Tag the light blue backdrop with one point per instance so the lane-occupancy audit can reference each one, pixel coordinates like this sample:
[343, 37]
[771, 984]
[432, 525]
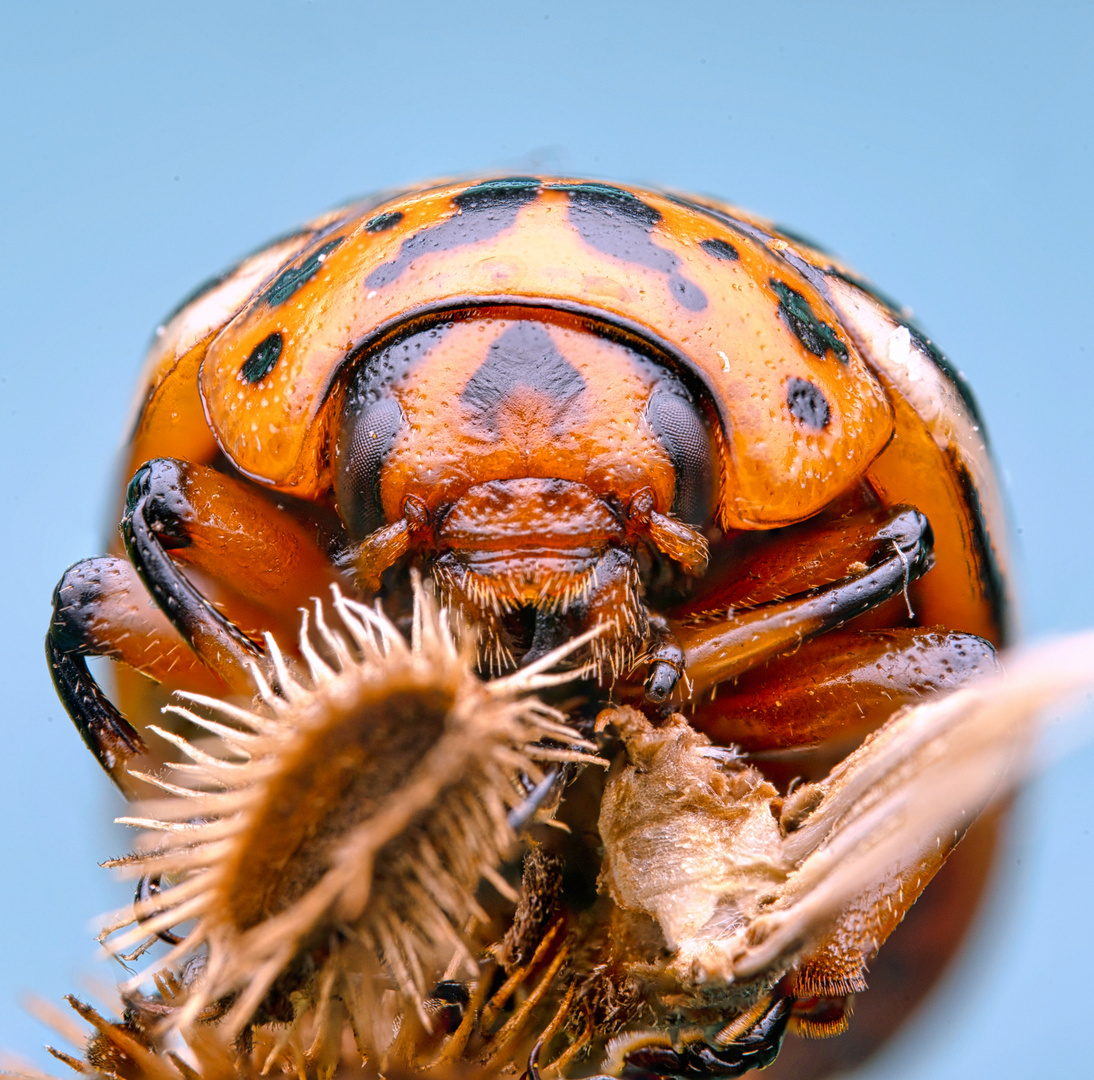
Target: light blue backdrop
[945, 149]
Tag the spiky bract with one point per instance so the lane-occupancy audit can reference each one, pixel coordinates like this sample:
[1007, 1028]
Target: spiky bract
[328, 843]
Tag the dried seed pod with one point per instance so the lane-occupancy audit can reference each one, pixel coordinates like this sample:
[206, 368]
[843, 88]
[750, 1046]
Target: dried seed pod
[329, 842]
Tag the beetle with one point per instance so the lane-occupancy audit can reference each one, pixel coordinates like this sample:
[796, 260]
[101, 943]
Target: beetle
[572, 404]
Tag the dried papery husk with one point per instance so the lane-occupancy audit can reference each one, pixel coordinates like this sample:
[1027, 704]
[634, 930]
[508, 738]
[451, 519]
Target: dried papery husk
[743, 883]
[909, 792]
[328, 843]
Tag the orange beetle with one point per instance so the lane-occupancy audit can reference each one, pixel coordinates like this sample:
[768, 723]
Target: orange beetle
[572, 404]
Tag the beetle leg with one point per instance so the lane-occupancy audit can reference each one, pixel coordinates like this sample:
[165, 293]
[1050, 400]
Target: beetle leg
[826, 978]
[224, 528]
[258, 561]
[804, 711]
[150, 526]
[652, 1056]
[720, 646]
[100, 608]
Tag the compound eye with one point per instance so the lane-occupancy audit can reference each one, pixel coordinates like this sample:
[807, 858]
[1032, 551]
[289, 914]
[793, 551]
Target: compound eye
[369, 429]
[680, 429]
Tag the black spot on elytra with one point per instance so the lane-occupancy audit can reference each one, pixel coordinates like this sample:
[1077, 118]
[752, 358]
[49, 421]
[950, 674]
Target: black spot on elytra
[807, 403]
[383, 222]
[618, 223]
[484, 211]
[296, 277]
[817, 336]
[720, 249]
[262, 359]
[210, 284]
[524, 356]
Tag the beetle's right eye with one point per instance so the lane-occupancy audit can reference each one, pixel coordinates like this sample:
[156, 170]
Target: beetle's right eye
[369, 429]
[679, 427]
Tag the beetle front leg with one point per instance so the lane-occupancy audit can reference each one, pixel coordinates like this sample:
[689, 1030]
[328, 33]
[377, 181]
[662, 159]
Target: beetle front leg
[720, 646]
[100, 608]
[179, 512]
[155, 521]
[260, 563]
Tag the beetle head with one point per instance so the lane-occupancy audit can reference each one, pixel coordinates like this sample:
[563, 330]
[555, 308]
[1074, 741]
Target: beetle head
[535, 462]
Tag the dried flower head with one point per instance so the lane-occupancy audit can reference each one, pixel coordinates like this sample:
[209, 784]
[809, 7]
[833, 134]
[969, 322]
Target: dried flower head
[328, 843]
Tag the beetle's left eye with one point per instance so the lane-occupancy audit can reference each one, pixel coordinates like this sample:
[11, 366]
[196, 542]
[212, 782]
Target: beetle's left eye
[369, 429]
[680, 429]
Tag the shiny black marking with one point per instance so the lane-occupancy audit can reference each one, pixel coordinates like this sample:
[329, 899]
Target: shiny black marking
[210, 284]
[720, 249]
[945, 365]
[492, 194]
[919, 339]
[756, 1048]
[262, 359]
[484, 211]
[447, 1004]
[898, 311]
[753, 232]
[455, 993]
[383, 222]
[680, 429]
[807, 403]
[816, 277]
[296, 277]
[618, 224]
[817, 336]
[157, 519]
[523, 356]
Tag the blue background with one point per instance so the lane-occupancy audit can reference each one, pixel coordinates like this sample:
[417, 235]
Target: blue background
[945, 149]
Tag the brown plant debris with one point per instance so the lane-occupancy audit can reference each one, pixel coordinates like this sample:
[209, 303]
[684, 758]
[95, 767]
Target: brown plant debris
[328, 844]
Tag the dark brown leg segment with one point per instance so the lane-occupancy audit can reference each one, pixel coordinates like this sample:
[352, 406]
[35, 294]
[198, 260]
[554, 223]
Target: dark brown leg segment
[658, 1057]
[100, 608]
